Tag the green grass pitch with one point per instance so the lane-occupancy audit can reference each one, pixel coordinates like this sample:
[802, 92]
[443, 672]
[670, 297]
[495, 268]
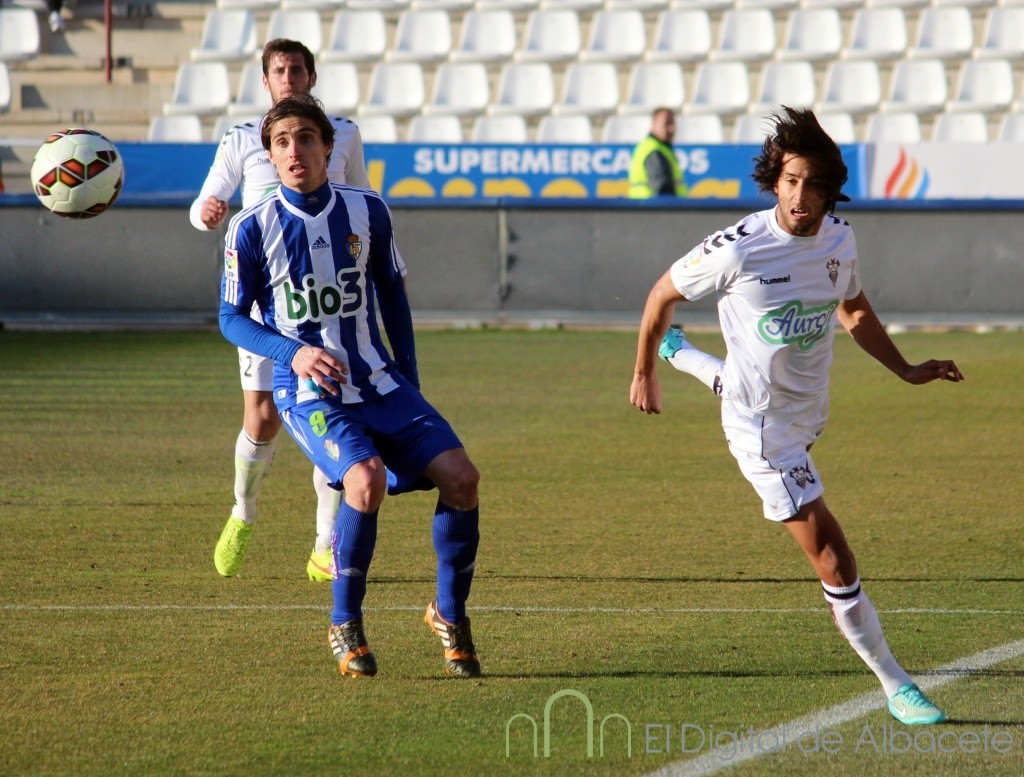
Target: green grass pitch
[623, 557]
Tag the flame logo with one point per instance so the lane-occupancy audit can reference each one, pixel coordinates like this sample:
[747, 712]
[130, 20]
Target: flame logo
[907, 181]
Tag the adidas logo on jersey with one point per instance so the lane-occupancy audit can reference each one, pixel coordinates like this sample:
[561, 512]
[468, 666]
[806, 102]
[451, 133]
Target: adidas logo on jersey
[320, 244]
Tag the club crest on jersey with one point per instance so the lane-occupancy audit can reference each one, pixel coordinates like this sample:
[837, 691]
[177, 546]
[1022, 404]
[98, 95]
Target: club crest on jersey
[355, 246]
[332, 449]
[318, 423]
[802, 476]
[833, 270]
[231, 264]
[792, 324]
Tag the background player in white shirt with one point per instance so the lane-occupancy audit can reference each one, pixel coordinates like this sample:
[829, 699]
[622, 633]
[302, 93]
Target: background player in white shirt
[782, 278]
[288, 69]
[319, 261]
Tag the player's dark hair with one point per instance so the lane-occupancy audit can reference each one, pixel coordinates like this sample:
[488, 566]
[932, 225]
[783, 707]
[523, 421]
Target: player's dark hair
[798, 132]
[285, 46]
[302, 106]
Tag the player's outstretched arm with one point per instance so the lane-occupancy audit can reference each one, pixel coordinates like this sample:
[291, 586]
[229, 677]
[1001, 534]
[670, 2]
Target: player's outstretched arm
[860, 320]
[645, 392]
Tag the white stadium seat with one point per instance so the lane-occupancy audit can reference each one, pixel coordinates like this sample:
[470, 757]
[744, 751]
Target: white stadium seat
[434, 129]
[590, 88]
[201, 88]
[839, 125]
[459, 6]
[525, 88]
[357, 36]
[983, 85]
[378, 129]
[384, 6]
[967, 127]
[507, 128]
[585, 6]
[550, 36]
[943, 33]
[746, 35]
[520, 6]
[182, 128]
[227, 35]
[395, 89]
[486, 36]
[681, 35]
[631, 128]
[1011, 128]
[1003, 34]
[878, 34]
[720, 87]
[903, 127]
[918, 85]
[19, 34]
[565, 129]
[852, 87]
[251, 97]
[615, 36]
[302, 25]
[812, 34]
[775, 6]
[652, 85]
[784, 83]
[700, 128]
[646, 6]
[337, 87]
[751, 128]
[421, 36]
[311, 5]
[459, 88]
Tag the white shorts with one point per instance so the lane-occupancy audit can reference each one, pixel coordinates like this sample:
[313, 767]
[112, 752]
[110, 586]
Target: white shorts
[773, 453]
[257, 371]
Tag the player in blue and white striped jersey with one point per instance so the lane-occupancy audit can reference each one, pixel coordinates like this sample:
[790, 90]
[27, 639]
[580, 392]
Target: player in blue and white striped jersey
[319, 260]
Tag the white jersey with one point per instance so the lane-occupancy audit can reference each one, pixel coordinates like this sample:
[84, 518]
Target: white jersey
[777, 299]
[242, 161]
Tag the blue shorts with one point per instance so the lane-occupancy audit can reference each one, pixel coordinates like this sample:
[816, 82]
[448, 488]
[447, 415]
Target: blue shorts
[401, 427]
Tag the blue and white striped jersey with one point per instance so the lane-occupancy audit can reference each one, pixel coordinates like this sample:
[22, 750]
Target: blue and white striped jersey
[318, 280]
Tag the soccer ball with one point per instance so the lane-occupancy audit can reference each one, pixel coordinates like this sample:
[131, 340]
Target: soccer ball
[77, 173]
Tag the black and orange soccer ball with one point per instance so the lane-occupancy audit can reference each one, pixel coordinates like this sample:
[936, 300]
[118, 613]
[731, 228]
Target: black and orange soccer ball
[77, 173]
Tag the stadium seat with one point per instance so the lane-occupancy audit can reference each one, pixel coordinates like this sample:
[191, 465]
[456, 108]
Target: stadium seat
[812, 34]
[227, 35]
[654, 84]
[378, 129]
[751, 128]
[967, 127]
[201, 88]
[918, 85]
[384, 6]
[421, 36]
[550, 36]
[775, 6]
[720, 87]
[681, 35]
[902, 127]
[19, 34]
[565, 129]
[395, 89]
[356, 36]
[459, 6]
[784, 83]
[589, 88]
[227, 121]
[629, 129]
[309, 5]
[1003, 34]
[839, 5]
[508, 128]
[516, 6]
[700, 128]
[911, 4]
[586, 6]
[972, 3]
[525, 88]
[615, 36]
[337, 87]
[1011, 128]
[459, 89]
[745, 35]
[983, 85]
[943, 33]
[840, 126]
[852, 87]
[486, 36]
[434, 129]
[878, 34]
[251, 97]
[5, 88]
[181, 128]
[646, 6]
[302, 25]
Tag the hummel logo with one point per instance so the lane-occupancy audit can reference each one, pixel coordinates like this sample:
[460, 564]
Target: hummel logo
[320, 243]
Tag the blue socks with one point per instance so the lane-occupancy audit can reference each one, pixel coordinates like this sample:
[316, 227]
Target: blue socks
[456, 537]
[355, 535]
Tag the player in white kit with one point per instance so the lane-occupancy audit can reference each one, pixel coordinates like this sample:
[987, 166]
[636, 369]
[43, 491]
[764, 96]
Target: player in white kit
[288, 69]
[782, 278]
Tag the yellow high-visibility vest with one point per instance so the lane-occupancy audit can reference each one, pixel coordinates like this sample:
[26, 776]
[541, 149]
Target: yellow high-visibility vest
[639, 186]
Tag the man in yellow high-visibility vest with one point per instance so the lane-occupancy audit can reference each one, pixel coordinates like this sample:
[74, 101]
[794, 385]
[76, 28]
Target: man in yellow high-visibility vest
[654, 170]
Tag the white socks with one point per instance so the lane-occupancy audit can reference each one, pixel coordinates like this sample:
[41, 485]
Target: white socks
[328, 500]
[252, 462]
[703, 366]
[857, 619]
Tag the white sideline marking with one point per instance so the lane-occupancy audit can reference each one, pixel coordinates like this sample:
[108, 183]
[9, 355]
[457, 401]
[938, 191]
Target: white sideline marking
[489, 608]
[711, 762]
